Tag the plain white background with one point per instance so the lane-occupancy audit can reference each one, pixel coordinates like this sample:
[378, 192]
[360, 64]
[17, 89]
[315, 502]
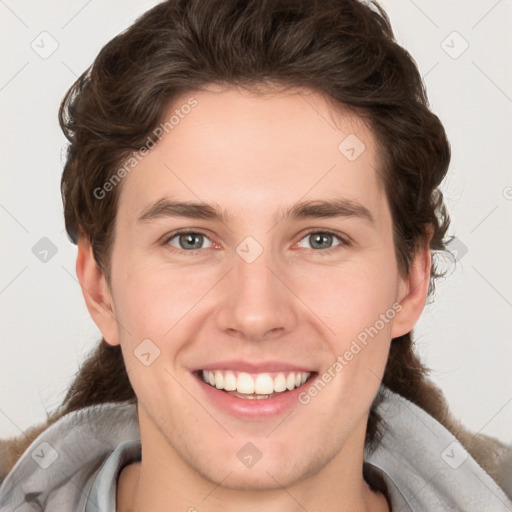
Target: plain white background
[463, 50]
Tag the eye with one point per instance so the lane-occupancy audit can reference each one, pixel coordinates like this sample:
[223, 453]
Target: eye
[191, 241]
[187, 240]
[323, 240]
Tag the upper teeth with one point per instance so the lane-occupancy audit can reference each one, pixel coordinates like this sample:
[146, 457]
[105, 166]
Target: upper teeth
[261, 383]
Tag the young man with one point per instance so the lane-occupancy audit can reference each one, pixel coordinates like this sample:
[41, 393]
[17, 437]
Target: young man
[300, 264]
[259, 265]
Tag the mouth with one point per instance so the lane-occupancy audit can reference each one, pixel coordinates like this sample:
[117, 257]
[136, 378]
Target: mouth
[254, 386]
[253, 395]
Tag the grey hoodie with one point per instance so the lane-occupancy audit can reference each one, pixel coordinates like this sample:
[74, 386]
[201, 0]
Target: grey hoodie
[73, 466]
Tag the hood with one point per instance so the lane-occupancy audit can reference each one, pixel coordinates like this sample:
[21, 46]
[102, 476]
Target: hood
[422, 464]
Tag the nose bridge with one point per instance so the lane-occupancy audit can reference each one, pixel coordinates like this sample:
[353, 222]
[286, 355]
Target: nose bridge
[258, 301]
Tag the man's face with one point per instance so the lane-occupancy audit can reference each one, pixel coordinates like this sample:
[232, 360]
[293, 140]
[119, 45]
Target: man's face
[257, 293]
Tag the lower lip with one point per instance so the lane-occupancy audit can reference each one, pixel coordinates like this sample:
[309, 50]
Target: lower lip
[247, 408]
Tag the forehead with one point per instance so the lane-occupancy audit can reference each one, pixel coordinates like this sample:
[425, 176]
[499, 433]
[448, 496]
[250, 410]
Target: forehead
[253, 152]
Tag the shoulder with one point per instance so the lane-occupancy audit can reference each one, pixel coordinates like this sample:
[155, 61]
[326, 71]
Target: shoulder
[427, 463]
[92, 418]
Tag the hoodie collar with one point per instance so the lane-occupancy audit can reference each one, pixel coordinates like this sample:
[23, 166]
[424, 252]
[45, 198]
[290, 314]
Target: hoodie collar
[75, 463]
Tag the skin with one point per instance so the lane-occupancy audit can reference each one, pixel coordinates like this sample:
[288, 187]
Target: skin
[291, 304]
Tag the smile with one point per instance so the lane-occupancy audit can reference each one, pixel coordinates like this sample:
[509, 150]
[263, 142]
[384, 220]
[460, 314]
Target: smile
[253, 390]
[254, 386]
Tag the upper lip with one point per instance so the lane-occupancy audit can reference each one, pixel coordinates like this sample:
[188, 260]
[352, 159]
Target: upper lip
[254, 367]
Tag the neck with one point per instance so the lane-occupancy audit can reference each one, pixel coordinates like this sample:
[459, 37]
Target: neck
[137, 492]
[163, 477]
[142, 487]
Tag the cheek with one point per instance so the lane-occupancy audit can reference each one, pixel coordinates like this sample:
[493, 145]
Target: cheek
[152, 299]
[357, 305]
[351, 297]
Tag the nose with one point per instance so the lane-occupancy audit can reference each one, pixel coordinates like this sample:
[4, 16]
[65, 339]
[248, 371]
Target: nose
[258, 303]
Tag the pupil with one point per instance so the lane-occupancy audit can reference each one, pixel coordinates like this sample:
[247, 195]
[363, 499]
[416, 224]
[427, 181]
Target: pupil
[319, 237]
[189, 238]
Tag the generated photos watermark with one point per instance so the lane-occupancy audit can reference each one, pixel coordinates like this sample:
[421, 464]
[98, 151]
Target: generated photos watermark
[138, 156]
[355, 348]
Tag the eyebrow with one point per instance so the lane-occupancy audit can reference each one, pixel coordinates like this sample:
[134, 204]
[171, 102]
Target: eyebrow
[321, 209]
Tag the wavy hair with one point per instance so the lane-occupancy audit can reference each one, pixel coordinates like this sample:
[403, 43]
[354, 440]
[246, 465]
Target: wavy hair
[343, 49]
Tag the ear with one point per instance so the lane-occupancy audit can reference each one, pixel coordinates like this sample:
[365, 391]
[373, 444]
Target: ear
[96, 292]
[413, 291]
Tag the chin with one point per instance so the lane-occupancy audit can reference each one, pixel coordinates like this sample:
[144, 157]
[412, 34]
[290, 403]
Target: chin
[266, 474]
[253, 479]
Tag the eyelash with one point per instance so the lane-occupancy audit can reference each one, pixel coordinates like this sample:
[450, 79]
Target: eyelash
[344, 242]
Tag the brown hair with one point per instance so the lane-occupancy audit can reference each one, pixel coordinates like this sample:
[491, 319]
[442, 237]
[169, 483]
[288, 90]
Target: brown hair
[344, 49]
